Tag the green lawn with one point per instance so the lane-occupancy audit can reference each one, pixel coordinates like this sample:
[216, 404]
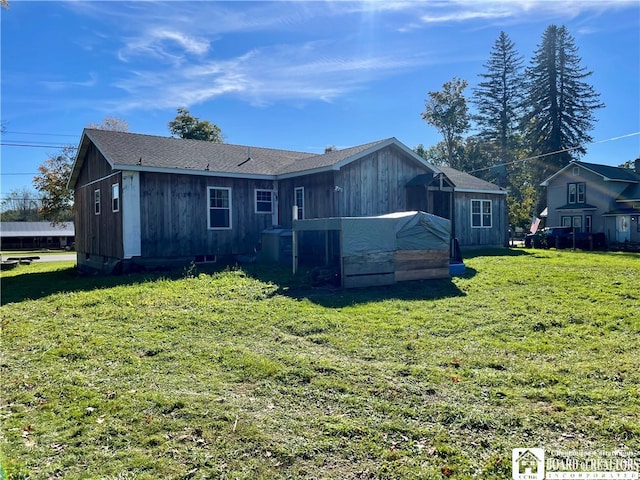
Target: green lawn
[249, 374]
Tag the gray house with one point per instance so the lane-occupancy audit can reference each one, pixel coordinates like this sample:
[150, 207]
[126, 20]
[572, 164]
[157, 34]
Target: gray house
[149, 199]
[596, 198]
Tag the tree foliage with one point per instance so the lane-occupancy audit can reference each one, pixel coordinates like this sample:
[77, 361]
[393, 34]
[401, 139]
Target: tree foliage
[21, 205]
[499, 96]
[186, 125]
[51, 182]
[113, 124]
[560, 103]
[447, 111]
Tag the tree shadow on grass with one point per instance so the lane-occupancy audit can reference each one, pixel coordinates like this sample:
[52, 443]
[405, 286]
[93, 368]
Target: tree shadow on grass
[29, 285]
[497, 252]
[332, 296]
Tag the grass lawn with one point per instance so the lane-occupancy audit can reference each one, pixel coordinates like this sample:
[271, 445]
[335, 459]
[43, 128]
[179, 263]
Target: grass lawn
[249, 374]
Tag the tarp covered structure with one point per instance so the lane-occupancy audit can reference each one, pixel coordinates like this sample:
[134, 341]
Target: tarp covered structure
[394, 231]
[384, 249]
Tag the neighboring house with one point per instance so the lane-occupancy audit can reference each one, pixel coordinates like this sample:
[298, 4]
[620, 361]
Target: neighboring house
[596, 198]
[30, 235]
[145, 198]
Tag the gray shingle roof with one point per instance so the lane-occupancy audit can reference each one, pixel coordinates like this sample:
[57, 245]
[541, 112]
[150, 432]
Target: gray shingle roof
[37, 229]
[613, 173]
[631, 193]
[465, 181]
[328, 159]
[133, 149]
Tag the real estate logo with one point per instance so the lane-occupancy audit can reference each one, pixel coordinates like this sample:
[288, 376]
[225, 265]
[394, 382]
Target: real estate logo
[528, 463]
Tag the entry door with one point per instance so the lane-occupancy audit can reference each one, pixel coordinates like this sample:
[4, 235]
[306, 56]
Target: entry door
[622, 228]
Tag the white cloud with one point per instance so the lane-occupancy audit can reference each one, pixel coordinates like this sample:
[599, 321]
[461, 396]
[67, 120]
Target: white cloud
[164, 44]
[58, 85]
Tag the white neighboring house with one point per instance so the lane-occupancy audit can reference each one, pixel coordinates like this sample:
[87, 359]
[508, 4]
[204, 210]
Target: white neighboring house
[596, 198]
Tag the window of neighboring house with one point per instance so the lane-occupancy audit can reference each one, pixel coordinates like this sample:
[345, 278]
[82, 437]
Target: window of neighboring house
[96, 201]
[588, 222]
[219, 217]
[264, 201]
[299, 201]
[481, 213]
[115, 197]
[572, 221]
[576, 192]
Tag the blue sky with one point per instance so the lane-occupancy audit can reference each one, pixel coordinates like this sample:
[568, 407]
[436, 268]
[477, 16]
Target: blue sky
[292, 75]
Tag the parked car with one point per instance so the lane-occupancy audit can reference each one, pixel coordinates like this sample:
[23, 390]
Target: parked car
[563, 237]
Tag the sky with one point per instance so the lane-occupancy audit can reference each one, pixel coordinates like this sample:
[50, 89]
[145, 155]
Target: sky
[296, 75]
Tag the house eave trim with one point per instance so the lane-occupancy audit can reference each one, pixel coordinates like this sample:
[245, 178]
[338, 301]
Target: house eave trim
[199, 173]
[473, 190]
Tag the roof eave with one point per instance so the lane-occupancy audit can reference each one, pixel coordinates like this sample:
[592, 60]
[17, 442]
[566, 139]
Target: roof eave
[479, 190]
[187, 171]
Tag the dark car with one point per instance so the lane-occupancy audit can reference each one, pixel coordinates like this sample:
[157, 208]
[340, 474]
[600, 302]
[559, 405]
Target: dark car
[563, 237]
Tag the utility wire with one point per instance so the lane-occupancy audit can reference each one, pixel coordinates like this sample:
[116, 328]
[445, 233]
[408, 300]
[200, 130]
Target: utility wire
[43, 134]
[553, 153]
[33, 145]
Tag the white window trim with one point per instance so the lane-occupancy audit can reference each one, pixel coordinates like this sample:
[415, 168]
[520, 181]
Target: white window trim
[97, 202]
[115, 195]
[295, 201]
[209, 227]
[482, 202]
[255, 201]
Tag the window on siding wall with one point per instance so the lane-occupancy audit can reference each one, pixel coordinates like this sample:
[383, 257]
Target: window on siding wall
[219, 208]
[115, 197]
[574, 221]
[264, 201]
[576, 192]
[96, 201]
[481, 214]
[299, 201]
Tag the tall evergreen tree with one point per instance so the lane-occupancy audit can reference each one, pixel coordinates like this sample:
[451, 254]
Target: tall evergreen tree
[498, 97]
[560, 103]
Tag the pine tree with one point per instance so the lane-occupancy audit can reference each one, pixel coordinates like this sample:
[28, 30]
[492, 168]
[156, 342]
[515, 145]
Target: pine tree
[560, 104]
[498, 97]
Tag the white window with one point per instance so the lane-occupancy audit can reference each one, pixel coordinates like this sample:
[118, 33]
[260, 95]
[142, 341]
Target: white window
[96, 201]
[481, 214]
[299, 201]
[115, 197]
[264, 201]
[576, 192]
[219, 209]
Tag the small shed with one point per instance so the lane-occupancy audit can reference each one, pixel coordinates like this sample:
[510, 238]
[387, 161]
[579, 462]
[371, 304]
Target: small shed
[378, 250]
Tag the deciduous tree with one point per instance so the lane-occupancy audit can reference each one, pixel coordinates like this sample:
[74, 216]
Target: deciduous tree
[186, 125]
[21, 205]
[113, 124]
[51, 182]
[447, 111]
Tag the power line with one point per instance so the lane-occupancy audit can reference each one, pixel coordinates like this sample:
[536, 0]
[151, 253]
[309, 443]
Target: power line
[553, 153]
[33, 145]
[43, 134]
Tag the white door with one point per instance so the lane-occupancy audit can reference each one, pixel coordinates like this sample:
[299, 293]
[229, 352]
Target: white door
[622, 228]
